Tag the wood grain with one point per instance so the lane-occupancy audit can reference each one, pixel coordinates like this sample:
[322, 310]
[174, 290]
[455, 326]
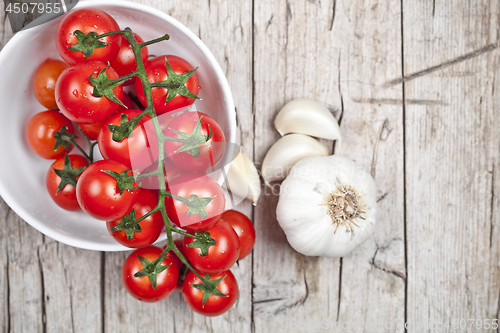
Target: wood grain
[337, 53]
[412, 84]
[452, 161]
[71, 288]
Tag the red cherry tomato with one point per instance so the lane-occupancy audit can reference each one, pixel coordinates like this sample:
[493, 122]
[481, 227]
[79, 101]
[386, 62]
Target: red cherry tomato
[87, 20]
[124, 63]
[44, 81]
[215, 305]
[166, 118]
[151, 227]
[140, 287]
[66, 197]
[138, 151]
[98, 193]
[221, 256]
[156, 70]
[211, 151]
[40, 133]
[92, 130]
[244, 228]
[189, 185]
[74, 93]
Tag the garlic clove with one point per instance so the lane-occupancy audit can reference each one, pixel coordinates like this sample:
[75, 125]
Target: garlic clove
[286, 152]
[243, 178]
[306, 116]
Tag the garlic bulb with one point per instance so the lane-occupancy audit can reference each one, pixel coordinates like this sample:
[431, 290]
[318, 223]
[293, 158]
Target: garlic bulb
[286, 152]
[243, 178]
[327, 206]
[306, 116]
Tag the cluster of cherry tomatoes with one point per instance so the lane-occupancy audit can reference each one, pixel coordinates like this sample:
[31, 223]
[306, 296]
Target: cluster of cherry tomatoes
[85, 99]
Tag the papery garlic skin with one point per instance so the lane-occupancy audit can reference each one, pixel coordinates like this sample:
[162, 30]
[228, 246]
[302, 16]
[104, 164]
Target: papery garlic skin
[243, 178]
[302, 210]
[307, 116]
[286, 152]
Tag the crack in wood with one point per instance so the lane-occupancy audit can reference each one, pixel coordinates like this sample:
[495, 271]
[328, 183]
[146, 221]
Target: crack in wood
[268, 300]
[341, 115]
[42, 291]
[71, 307]
[382, 197]
[498, 310]
[341, 261]
[388, 271]
[452, 62]
[307, 288]
[269, 22]
[333, 14]
[340, 92]
[102, 291]
[7, 280]
[395, 101]
[252, 104]
[384, 129]
[405, 221]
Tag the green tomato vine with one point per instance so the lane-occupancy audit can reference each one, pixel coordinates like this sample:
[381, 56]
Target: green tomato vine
[103, 87]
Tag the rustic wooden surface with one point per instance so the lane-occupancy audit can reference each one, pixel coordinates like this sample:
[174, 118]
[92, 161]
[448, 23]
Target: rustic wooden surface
[412, 84]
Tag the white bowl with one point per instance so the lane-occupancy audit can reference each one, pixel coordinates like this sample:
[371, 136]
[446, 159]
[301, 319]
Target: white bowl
[22, 173]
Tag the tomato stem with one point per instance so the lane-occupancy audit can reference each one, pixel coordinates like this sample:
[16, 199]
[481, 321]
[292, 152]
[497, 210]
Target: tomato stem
[181, 232]
[90, 156]
[141, 74]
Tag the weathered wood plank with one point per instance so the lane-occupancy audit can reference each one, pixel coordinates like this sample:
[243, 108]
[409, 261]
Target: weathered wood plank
[72, 288]
[4, 269]
[338, 53]
[452, 160]
[373, 277]
[6, 34]
[225, 27]
[25, 277]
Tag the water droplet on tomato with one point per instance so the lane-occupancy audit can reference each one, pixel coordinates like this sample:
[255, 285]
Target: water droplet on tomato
[75, 92]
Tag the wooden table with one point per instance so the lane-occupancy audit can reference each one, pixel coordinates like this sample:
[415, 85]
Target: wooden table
[413, 85]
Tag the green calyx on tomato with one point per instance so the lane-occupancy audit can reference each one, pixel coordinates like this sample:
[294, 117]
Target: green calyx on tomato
[125, 180]
[176, 83]
[64, 138]
[87, 43]
[126, 127]
[191, 142]
[196, 205]
[203, 241]
[68, 174]
[151, 269]
[103, 86]
[129, 224]
[209, 288]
